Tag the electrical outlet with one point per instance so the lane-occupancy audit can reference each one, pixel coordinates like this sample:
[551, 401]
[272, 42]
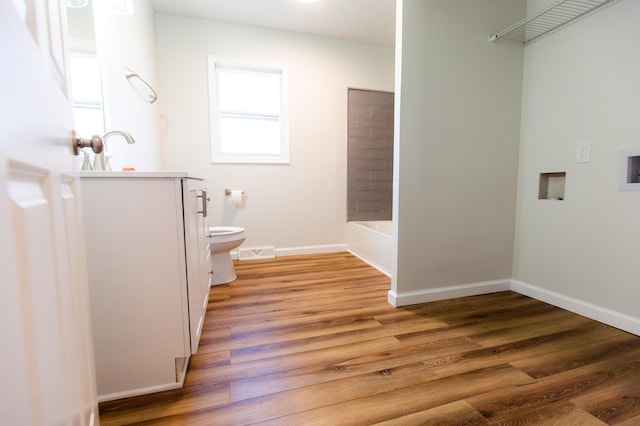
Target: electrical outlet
[583, 152]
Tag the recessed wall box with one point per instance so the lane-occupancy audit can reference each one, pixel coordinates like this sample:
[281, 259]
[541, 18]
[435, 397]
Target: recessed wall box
[551, 186]
[630, 170]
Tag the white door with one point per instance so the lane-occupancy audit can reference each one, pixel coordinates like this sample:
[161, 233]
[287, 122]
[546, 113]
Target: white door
[46, 361]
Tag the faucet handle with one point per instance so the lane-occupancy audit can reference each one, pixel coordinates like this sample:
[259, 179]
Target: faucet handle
[99, 162]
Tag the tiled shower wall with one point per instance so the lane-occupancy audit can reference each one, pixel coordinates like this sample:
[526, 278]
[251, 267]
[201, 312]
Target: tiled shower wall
[370, 155]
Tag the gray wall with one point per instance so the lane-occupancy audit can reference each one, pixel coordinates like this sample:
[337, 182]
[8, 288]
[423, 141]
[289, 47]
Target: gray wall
[456, 157]
[582, 84]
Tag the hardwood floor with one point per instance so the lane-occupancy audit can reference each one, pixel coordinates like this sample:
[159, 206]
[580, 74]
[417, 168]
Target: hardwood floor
[311, 339]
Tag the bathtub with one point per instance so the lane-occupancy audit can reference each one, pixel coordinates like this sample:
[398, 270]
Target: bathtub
[371, 242]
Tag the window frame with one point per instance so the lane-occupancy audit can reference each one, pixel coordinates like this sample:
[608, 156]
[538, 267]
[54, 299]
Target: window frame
[214, 63]
[79, 49]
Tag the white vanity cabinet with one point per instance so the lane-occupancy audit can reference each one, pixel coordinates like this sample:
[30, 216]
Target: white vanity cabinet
[148, 261]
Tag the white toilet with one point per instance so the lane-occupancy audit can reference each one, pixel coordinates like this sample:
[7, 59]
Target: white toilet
[223, 239]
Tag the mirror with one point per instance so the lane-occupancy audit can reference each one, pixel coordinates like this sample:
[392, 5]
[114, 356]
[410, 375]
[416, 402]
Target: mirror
[105, 38]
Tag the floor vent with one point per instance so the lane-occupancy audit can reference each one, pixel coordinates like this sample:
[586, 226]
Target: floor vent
[257, 253]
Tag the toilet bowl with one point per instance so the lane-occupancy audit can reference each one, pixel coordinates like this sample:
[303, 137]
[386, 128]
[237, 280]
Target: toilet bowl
[222, 240]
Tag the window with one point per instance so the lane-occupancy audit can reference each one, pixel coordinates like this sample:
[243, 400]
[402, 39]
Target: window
[87, 93]
[248, 112]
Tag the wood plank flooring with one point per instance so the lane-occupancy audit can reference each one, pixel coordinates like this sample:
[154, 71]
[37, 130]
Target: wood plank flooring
[311, 340]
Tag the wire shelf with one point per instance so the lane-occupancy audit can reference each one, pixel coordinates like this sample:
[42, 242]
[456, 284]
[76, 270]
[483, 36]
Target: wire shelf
[549, 19]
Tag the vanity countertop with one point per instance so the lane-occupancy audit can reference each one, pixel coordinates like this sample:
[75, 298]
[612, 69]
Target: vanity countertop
[138, 174]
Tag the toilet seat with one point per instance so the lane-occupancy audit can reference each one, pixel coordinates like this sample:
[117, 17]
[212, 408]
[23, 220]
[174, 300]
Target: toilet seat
[226, 234]
[224, 230]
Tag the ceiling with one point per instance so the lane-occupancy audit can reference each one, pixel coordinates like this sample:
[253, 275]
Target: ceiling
[364, 21]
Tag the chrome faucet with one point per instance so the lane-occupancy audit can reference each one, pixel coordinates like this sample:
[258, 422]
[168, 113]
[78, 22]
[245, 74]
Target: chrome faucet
[99, 162]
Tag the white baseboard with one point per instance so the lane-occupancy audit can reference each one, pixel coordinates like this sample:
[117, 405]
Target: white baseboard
[442, 293]
[598, 313]
[365, 259]
[601, 314]
[292, 251]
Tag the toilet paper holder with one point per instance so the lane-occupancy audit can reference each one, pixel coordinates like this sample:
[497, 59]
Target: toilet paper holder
[227, 191]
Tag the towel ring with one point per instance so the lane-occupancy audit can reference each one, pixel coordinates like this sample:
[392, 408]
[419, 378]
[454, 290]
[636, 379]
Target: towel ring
[150, 97]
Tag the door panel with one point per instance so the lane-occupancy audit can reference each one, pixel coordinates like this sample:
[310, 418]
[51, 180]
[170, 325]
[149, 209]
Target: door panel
[79, 368]
[39, 290]
[47, 359]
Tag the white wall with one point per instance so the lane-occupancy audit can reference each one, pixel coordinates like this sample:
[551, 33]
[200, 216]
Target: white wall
[128, 41]
[301, 204]
[582, 83]
[457, 132]
[458, 103]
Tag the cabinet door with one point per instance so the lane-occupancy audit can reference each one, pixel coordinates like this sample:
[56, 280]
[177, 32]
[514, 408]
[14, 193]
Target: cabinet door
[197, 246]
[137, 289]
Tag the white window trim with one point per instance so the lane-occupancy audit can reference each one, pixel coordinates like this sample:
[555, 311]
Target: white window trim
[86, 49]
[216, 155]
